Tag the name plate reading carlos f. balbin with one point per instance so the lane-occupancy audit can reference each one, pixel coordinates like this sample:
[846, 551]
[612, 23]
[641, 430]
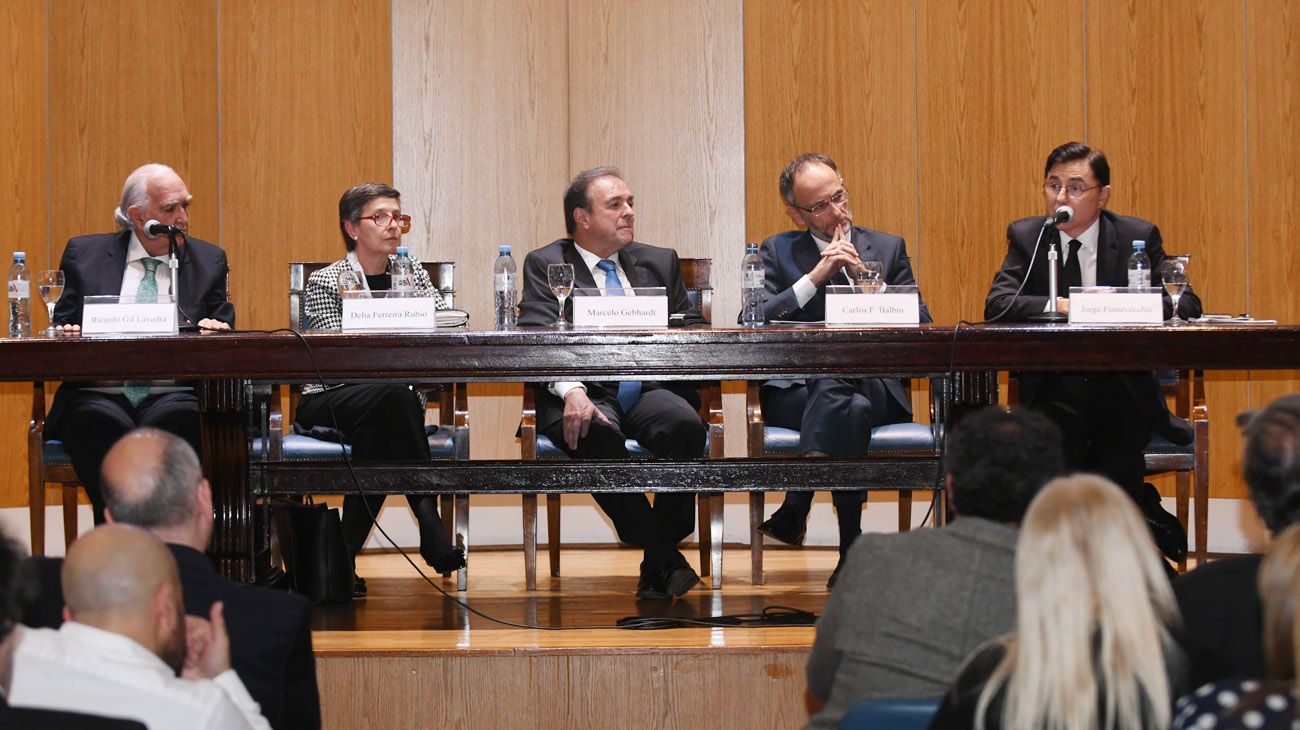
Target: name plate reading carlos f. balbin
[902, 308]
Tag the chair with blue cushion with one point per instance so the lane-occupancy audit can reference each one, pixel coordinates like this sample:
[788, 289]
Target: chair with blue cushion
[48, 463]
[922, 441]
[697, 278]
[894, 713]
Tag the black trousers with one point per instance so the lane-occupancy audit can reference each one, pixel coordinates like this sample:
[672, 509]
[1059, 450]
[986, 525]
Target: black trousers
[834, 416]
[94, 421]
[669, 427]
[383, 422]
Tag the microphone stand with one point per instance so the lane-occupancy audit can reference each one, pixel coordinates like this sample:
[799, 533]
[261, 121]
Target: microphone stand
[1053, 255]
[173, 263]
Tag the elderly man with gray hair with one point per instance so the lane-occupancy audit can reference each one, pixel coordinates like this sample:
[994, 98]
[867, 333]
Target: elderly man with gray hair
[90, 417]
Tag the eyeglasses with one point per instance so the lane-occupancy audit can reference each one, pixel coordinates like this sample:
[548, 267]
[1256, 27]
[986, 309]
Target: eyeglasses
[1074, 190]
[383, 220]
[838, 200]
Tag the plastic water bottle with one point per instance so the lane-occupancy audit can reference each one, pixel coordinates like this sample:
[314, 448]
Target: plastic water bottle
[20, 297]
[504, 276]
[1139, 267]
[751, 287]
[403, 274]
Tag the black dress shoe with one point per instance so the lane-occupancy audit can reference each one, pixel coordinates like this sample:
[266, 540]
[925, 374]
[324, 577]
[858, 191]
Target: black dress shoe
[835, 575]
[1165, 528]
[681, 579]
[652, 586]
[358, 586]
[449, 562]
[783, 527]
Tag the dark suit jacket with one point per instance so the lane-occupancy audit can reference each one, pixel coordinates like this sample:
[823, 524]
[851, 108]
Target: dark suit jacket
[93, 265]
[644, 265]
[26, 718]
[1223, 631]
[788, 257]
[1114, 247]
[270, 634]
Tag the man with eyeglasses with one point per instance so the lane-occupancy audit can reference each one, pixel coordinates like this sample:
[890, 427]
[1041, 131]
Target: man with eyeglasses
[90, 418]
[834, 416]
[1106, 418]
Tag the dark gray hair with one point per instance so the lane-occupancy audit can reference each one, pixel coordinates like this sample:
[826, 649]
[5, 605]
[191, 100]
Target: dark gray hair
[786, 181]
[575, 196]
[169, 488]
[135, 191]
[1271, 462]
[355, 199]
[999, 460]
[18, 584]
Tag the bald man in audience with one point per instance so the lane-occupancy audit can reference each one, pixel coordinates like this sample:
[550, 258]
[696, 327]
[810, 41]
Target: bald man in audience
[152, 479]
[125, 641]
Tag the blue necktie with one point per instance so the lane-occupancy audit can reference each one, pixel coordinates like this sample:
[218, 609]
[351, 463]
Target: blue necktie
[629, 391]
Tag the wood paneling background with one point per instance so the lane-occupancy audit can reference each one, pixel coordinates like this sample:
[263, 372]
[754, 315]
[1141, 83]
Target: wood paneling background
[940, 113]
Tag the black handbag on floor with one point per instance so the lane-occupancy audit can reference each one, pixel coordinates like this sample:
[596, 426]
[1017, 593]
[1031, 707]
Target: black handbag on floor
[315, 558]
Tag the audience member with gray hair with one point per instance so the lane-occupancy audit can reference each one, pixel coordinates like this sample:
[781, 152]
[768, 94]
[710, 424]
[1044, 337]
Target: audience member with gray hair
[152, 480]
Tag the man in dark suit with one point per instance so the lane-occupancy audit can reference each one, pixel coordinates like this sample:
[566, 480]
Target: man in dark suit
[1106, 419]
[89, 418]
[18, 587]
[834, 416]
[1223, 634]
[592, 420]
[152, 480]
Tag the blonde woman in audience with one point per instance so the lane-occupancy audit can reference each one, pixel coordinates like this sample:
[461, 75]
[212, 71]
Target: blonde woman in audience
[1094, 644]
[1249, 703]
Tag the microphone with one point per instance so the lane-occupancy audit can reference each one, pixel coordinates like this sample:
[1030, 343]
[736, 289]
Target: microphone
[154, 229]
[1063, 214]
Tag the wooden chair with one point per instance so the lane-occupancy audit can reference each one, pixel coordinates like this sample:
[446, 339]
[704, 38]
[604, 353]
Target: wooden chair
[449, 441]
[919, 441]
[697, 277]
[48, 463]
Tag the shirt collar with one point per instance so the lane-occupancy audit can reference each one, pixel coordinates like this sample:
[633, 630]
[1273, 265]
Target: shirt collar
[1088, 239]
[591, 259]
[135, 250]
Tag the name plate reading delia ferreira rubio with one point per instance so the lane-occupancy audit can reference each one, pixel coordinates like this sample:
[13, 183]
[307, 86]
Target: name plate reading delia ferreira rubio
[898, 305]
[381, 311]
[112, 315]
[645, 307]
[1115, 305]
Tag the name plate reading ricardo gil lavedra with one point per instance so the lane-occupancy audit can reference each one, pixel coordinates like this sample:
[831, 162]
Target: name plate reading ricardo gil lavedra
[1116, 305]
[645, 307]
[381, 311]
[113, 315]
[899, 305]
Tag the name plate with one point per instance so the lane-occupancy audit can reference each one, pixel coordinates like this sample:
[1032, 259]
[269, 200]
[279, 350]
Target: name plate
[110, 315]
[1116, 305]
[897, 306]
[385, 314]
[647, 307]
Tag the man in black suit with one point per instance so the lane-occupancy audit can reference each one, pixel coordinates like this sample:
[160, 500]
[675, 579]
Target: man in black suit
[89, 418]
[834, 416]
[152, 480]
[1223, 634]
[1106, 419]
[18, 586]
[592, 420]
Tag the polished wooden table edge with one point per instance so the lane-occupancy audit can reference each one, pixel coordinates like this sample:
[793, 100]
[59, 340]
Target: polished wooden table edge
[535, 643]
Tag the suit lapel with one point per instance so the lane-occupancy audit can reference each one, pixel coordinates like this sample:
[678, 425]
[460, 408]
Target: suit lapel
[628, 260]
[1107, 254]
[116, 267]
[581, 274]
[805, 253]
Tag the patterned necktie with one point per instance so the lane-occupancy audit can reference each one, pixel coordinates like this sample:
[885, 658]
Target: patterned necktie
[629, 391]
[1071, 273]
[147, 293]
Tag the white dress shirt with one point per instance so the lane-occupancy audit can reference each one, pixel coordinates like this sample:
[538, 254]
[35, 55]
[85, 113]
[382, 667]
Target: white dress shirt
[134, 273]
[559, 389]
[1087, 259]
[80, 668]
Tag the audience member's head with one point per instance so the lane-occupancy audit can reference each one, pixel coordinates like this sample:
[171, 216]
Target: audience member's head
[121, 579]
[1279, 591]
[18, 587]
[1094, 612]
[153, 479]
[998, 460]
[1272, 462]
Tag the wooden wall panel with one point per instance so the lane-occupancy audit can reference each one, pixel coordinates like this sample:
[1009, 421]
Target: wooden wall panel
[306, 113]
[996, 94]
[1166, 95]
[23, 183]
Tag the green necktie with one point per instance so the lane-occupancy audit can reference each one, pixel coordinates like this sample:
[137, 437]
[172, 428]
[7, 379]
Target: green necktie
[137, 390]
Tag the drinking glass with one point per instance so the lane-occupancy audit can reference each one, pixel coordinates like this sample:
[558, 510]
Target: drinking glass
[1173, 272]
[560, 279]
[349, 285]
[870, 277]
[50, 285]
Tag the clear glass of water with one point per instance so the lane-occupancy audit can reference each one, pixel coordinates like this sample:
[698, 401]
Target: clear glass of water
[1173, 273]
[870, 277]
[349, 285]
[50, 286]
[560, 278]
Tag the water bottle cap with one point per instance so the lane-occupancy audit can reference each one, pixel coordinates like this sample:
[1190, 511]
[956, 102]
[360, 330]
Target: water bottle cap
[1139, 245]
[20, 256]
[751, 248]
[504, 250]
[403, 251]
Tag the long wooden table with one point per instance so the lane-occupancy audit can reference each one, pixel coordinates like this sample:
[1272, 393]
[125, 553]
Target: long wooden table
[227, 365]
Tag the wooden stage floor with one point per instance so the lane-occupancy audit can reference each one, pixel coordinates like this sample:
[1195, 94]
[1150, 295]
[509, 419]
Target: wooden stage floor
[411, 651]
